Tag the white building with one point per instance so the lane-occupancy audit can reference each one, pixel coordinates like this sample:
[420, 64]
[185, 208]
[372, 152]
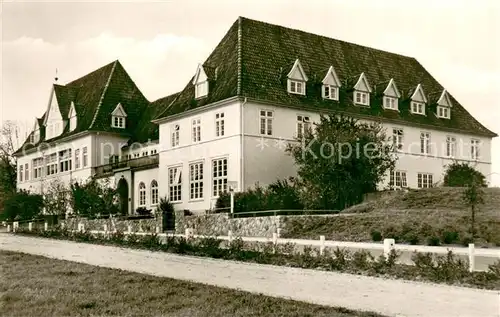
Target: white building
[258, 90]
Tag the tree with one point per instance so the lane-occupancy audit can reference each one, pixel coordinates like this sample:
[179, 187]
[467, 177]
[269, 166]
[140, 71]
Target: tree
[340, 161]
[22, 206]
[463, 175]
[93, 198]
[57, 198]
[473, 196]
[9, 140]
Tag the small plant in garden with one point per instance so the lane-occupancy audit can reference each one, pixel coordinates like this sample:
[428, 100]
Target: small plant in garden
[433, 241]
[376, 235]
[143, 211]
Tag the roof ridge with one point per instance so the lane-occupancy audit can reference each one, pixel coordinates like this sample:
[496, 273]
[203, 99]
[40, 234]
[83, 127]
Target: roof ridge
[103, 93]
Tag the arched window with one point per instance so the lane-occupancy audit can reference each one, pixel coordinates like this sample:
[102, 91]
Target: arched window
[142, 194]
[154, 192]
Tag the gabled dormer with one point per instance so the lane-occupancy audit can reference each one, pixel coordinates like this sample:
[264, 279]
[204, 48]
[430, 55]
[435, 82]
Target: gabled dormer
[391, 96]
[118, 117]
[362, 91]
[53, 121]
[444, 105]
[72, 117]
[296, 79]
[200, 83]
[331, 85]
[35, 135]
[418, 101]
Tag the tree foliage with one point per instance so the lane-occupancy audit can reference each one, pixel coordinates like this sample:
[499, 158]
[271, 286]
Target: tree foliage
[340, 161]
[22, 206]
[9, 136]
[473, 196]
[57, 198]
[92, 199]
[463, 175]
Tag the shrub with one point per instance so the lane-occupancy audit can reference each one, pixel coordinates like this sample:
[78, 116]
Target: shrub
[92, 198]
[376, 235]
[450, 237]
[143, 211]
[463, 175]
[165, 205]
[22, 206]
[433, 241]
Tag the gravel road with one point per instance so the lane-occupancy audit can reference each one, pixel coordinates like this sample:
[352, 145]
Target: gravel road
[388, 297]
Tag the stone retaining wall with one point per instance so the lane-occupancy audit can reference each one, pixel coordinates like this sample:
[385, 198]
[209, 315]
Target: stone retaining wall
[139, 225]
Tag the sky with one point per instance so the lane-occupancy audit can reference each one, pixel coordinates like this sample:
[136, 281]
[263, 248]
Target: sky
[161, 43]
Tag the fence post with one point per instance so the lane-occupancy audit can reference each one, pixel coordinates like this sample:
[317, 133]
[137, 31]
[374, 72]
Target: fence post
[278, 232]
[275, 241]
[322, 245]
[230, 235]
[157, 229]
[8, 228]
[30, 226]
[62, 225]
[46, 226]
[81, 227]
[129, 228]
[15, 225]
[105, 226]
[472, 258]
[388, 247]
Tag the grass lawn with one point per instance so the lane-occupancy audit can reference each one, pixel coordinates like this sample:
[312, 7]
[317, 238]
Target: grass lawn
[37, 286]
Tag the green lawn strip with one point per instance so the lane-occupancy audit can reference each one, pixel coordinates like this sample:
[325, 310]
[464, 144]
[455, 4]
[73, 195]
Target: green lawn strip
[38, 286]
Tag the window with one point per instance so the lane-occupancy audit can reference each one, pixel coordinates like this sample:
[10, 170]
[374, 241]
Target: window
[391, 103]
[77, 158]
[425, 143]
[219, 124]
[85, 157]
[118, 122]
[296, 87]
[145, 153]
[417, 107]
[65, 161]
[397, 139]
[142, 194]
[474, 149]
[196, 124]
[424, 180]
[154, 192]
[21, 173]
[361, 98]
[330, 92]
[37, 167]
[201, 89]
[154, 151]
[26, 172]
[196, 180]
[266, 122]
[175, 135]
[398, 179]
[175, 184]
[451, 146]
[219, 179]
[136, 155]
[303, 124]
[443, 112]
[51, 164]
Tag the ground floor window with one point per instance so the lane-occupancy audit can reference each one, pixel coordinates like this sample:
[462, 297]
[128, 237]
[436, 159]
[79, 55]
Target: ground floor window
[175, 183]
[142, 194]
[154, 192]
[219, 176]
[398, 179]
[424, 180]
[196, 180]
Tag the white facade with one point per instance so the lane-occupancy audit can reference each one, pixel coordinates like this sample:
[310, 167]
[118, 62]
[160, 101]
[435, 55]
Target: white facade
[264, 160]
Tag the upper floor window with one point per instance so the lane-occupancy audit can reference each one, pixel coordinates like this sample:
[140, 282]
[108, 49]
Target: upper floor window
[361, 98]
[72, 117]
[142, 194]
[85, 157]
[200, 82]
[330, 92]
[51, 164]
[397, 139]
[391, 103]
[331, 84]
[219, 124]
[37, 167]
[443, 112]
[474, 149]
[21, 172]
[417, 107]
[175, 135]
[296, 87]
[451, 146]
[196, 125]
[77, 158]
[65, 161]
[303, 124]
[36, 136]
[425, 143]
[26, 172]
[118, 117]
[266, 122]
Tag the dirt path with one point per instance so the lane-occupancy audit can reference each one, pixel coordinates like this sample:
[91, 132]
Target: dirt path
[389, 297]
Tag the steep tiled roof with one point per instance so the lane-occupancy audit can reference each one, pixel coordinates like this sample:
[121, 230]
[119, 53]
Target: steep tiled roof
[253, 59]
[95, 96]
[146, 130]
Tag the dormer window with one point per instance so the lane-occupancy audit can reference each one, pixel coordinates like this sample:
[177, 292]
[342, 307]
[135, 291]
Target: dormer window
[331, 84]
[118, 117]
[362, 91]
[296, 87]
[200, 82]
[418, 101]
[443, 109]
[72, 117]
[296, 83]
[35, 135]
[417, 107]
[391, 96]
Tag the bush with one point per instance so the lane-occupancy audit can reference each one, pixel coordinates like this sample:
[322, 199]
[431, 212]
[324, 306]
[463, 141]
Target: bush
[143, 211]
[450, 237]
[376, 235]
[433, 241]
[22, 206]
[92, 199]
[463, 175]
